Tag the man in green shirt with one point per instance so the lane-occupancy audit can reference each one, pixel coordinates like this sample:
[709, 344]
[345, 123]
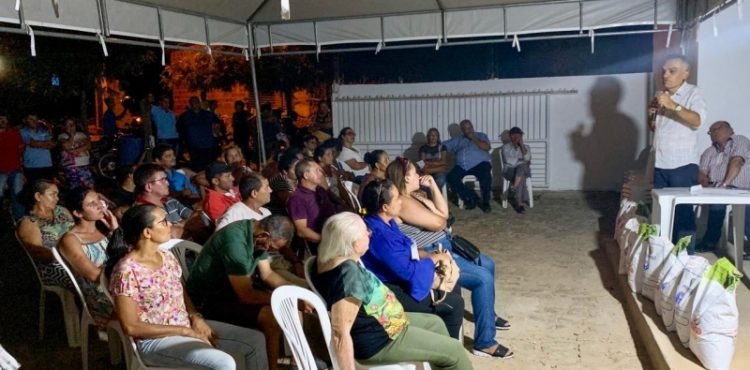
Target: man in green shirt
[232, 280]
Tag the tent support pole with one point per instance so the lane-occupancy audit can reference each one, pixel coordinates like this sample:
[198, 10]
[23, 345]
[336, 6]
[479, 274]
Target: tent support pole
[261, 143]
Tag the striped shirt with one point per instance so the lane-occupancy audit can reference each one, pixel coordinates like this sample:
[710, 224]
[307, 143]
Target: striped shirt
[176, 211]
[714, 161]
[422, 238]
[676, 144]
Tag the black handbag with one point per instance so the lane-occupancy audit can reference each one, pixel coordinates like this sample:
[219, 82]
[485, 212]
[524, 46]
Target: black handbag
[465, 249]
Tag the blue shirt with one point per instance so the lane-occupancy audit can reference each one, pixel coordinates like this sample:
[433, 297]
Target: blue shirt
[36, 157]
[178, 181]
[390, 258]
[165, 122]
[198, 129]
[468, 154]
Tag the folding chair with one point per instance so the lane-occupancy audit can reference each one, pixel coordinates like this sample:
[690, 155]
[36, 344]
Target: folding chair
[67, 298]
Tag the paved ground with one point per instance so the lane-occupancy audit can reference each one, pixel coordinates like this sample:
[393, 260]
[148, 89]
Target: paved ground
[554, 285]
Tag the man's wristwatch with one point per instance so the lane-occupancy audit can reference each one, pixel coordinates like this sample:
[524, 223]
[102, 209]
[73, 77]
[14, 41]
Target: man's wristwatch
[678, 108]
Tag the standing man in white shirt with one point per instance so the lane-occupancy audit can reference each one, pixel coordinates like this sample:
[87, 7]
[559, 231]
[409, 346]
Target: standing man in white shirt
[676, 114]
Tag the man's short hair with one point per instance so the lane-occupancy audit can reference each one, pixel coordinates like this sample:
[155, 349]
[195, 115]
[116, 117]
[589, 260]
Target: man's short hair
[280, 227]
[679, 57]
[143, 175]
[722, 123]
[160, 149]
[302, 166]
[215, 169]
[250, 183]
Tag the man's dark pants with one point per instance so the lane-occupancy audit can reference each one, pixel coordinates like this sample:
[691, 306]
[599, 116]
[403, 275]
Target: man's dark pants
[483, 173]
[684, 217]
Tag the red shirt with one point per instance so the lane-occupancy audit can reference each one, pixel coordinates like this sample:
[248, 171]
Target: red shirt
[11, 150]
[216, 203]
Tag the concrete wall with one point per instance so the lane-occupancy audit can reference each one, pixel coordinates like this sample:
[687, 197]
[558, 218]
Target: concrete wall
[724, 63]
[595, 135]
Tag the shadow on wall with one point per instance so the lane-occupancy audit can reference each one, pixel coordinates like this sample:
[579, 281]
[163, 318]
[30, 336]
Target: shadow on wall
[610, 148]
[417, 140]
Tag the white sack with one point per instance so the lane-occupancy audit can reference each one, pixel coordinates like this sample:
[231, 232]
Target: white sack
[715, 319]
[683, 304]
[636, 255]
[670, 274]
[656, 251]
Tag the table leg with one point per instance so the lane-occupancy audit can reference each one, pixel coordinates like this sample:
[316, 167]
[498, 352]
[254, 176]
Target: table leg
[659, 216]
[738, 214]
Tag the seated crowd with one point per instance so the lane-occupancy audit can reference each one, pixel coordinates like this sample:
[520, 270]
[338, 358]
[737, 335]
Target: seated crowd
[380, 230]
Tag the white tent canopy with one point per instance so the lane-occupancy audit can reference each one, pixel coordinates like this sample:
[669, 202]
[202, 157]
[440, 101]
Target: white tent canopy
[256, 24]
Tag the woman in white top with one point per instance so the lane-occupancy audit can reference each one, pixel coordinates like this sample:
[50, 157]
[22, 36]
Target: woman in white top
[350, 157]
[75, 155]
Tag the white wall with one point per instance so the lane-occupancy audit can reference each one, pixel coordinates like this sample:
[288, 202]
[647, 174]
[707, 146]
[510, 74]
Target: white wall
[595, 135]
[724, 71]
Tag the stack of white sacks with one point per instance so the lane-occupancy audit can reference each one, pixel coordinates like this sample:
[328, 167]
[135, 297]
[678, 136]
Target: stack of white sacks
[692, 296]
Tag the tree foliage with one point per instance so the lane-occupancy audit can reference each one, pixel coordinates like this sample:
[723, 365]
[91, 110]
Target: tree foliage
[26, 82]
[198, 71]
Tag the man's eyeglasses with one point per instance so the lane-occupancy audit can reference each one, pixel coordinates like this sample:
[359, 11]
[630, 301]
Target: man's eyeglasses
[350, 133]
[159, 180]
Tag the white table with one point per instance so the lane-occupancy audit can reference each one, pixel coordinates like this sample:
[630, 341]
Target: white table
[665, 200]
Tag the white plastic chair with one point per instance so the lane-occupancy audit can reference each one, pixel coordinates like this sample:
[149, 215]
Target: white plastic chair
[349, 185]
[506, 186]
[181, 250]
[86, 319]
[284, 306]
[474, 181]
[67, 298]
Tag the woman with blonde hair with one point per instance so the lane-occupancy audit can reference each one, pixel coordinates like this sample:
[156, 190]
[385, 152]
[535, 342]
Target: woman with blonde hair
[369, 323]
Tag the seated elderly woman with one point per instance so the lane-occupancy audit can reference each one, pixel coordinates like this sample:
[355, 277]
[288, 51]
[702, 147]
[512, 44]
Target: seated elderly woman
[424, 220]
[84, 247]
[394, 259]
[153, 308]
[369, 323]
[40, 231]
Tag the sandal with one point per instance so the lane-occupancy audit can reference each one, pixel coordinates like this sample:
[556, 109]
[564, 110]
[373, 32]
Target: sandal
[502, 324]
[501, 352]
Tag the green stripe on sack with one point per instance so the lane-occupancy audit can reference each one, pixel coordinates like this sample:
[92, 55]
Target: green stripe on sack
[647, 230]
[724, 273]
[681, 245]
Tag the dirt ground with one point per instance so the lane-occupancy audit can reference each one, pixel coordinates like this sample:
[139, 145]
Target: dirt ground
[554, 285]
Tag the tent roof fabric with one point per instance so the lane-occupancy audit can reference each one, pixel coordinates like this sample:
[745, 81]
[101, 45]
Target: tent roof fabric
[258, 24]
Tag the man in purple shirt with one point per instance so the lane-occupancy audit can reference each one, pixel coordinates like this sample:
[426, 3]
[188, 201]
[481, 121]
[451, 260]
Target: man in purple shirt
[472, 158]
[310, 205]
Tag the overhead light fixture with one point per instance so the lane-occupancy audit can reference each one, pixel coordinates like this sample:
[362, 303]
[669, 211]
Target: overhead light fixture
[285, 14]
